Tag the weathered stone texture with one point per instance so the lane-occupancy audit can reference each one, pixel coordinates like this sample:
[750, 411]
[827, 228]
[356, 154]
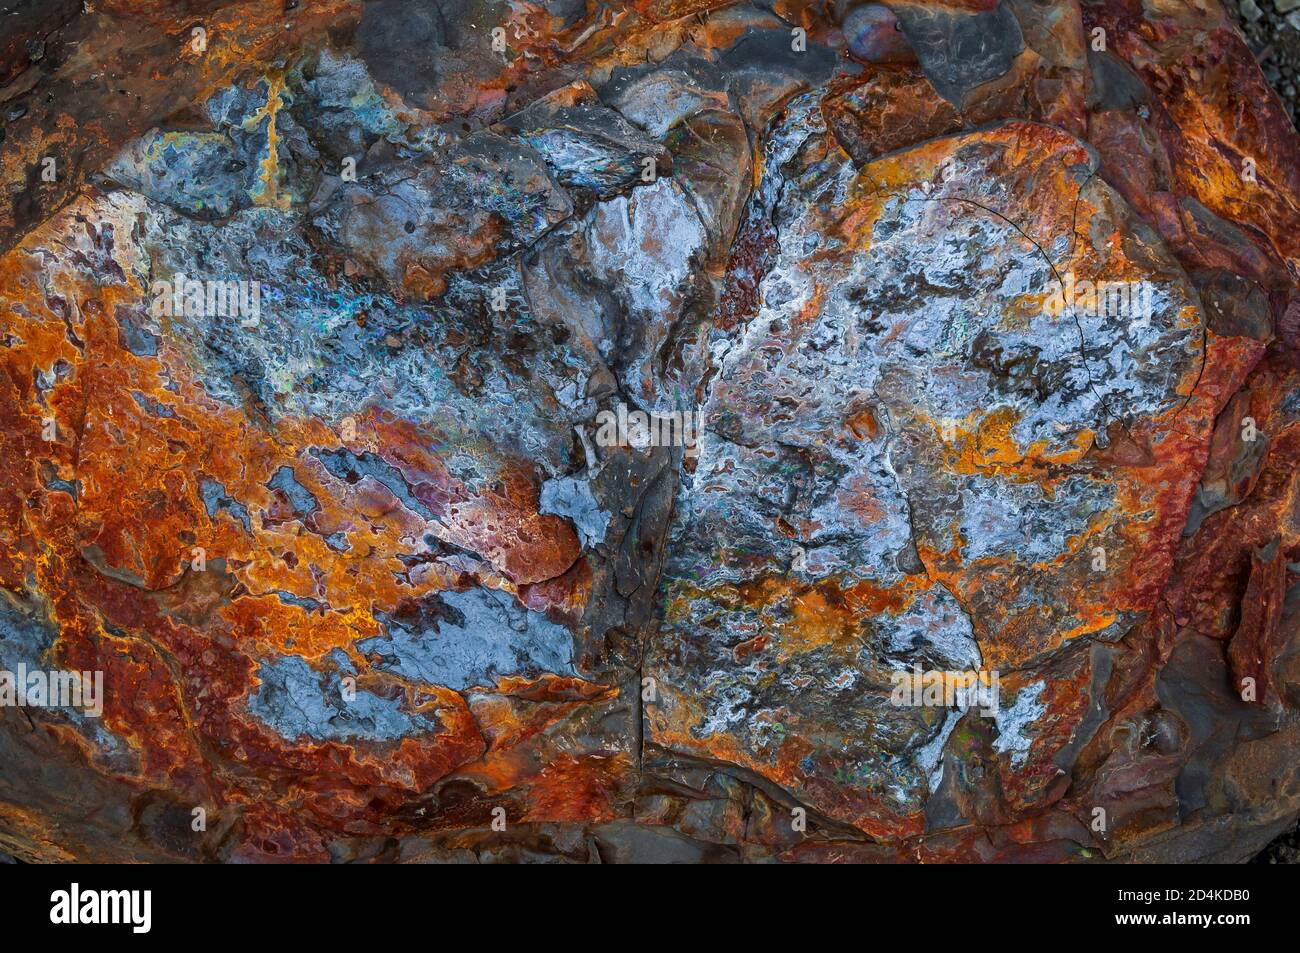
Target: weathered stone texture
[365, 582]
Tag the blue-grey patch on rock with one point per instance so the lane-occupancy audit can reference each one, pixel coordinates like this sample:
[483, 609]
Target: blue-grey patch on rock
[200, 174]
[1015, 721]
[24, 637]
[302, 602]
[353, 468]
[340, 102]
[487, 635]
[27, 634]
[300, 702]
[133, 335]
[1000, 518]
[587, 145]
[572, 498]
[661, 100]
[933, 628]
[300, 498]
[216, 499]
[647, 246]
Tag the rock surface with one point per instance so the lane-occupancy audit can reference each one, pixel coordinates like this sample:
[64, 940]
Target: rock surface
[939, 341]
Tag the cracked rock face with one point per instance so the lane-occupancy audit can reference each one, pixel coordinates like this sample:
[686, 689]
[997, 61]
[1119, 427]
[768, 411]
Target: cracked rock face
[683, 432]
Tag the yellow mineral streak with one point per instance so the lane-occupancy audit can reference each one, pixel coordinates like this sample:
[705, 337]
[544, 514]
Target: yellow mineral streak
[267, 193]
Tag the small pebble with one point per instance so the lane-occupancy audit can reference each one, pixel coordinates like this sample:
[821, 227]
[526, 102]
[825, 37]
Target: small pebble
[873, 35]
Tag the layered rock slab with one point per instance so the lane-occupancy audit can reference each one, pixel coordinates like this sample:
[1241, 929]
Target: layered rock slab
[902, 467]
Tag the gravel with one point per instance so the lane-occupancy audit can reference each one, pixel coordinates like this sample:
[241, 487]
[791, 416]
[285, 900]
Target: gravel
[1272, 29]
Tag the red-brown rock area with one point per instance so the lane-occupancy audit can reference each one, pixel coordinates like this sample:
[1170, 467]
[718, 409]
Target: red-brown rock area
[988, 311]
